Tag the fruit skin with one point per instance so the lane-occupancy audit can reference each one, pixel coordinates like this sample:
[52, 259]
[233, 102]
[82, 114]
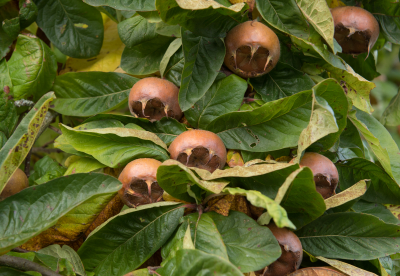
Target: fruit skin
[17, 182]
[356, 29]
[154, 98]
[199, 148]
[317, 271]
[326, 176]
[292, 252]
[139, 182]
[252, 49]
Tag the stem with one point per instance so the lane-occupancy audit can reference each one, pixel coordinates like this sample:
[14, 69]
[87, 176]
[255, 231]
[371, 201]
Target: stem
[25, 265]
[28, 163]
[55, 129]
[20, 250]
[35, 150]
[152, 270]
[50, 115]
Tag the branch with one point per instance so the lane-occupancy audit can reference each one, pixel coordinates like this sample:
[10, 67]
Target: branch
[50, 115]
[26, 265]
[55, 129]
[35, 150]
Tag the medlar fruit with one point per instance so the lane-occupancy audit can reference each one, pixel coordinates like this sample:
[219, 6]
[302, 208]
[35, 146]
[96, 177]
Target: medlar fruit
[356, 30]
[139, 183]
[292, 252]
[326, 176]
[17, 182]
[154, 98]
[252, 49]
[199, 148]
[317, 271]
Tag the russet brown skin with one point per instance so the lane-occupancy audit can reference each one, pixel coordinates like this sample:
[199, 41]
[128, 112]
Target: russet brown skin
[317, 271]
[15, 184]
[326, 176]
[139, 182]
[252, 49]
[199, 148]
[356, 29]
[292, 252]
[155, 98]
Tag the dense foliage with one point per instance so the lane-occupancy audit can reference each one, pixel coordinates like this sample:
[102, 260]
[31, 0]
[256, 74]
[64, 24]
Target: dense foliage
[66, 70]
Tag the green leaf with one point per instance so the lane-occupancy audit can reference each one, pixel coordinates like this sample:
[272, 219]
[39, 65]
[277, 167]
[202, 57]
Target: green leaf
[67, 253]
[8, 11]
[8, 116]
[351, 236]
[380, 141]
[204, 18]
[375, 209]
[390, 27]
[223, 96]
[206, 236]
[5, 79]
[137, 5]
[47, 203]
[203, 59]
[318, 14]
[136, 30]
[256, 248]
[27, 13]
[136, 235]
[191, 262]
[383, 188]
[89, 93]
[145, 58]
[75, 29]
[32, 68]
[391, 115]
[11, 26]
[286, 18]
[174, 69]
[83, 165]
[362, 64]
[45, 170]
[179, 181]
[7, 271]
[13, 153]
[115, 147]
[257, 199]
[172, 49]
[281, 82]
[163, 28]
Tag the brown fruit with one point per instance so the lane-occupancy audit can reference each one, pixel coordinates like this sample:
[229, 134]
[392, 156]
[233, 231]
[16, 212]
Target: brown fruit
[356, 30]
[199, 148]
[154, 98]
[317, 271]
[139, 183]
[292, 252]
[252, 49]
[326, 176]
[15, 184]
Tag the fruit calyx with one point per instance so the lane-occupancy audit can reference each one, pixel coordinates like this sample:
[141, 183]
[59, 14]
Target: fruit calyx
[199, 148]
[17, 182]
[356, 29]
[326, 176]
[252, 49]
[154, 98]
[139, 183]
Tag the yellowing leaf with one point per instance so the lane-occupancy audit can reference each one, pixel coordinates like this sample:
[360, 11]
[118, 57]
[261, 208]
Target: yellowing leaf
[336, 3]
[110, 54]
[395, 209]
[346, 268]
[351, 193]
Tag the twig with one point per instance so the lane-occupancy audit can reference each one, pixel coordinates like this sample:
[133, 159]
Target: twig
[48, 143]
[26, 265]
[20, 250]
[28, 163]
[35, 150]
[152, 270]
[50, 115]
[23, 102]
[55, 129]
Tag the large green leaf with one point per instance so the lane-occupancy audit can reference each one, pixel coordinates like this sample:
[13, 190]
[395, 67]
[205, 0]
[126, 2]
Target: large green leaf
[391, 115]
[203, 59]
[45, 170]
[362, 64]
[82, 165]
[35, 209]
[223, 96]
[281, 82]
[351, 236]
[136, 30]
[137, 5]
[383, 188]
[380, 141]
[375, 209]
[390, 27]
[8, 11]
[74, 27]
[130, 238]
[32, 68]
[89, 93]
[8, 116]
[27, 13]
[191, 262]
[174, 69]
[145, 58]
[172, 49]
[115, 147]
[13, 153]
[257, 199]
[204, 18]
[5, 79]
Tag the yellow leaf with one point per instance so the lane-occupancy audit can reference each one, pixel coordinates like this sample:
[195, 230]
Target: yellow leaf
[110, 54]
[347, 195]
[346, 268]
[395, 209]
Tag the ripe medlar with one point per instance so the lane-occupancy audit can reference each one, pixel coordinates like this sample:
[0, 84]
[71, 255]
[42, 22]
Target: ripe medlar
[326, 176]
[292, 252]
[139, 183]
[252, 49]
[199, 148]
[356, 30]
[15, 184]
[154, 98]
[317, 271]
